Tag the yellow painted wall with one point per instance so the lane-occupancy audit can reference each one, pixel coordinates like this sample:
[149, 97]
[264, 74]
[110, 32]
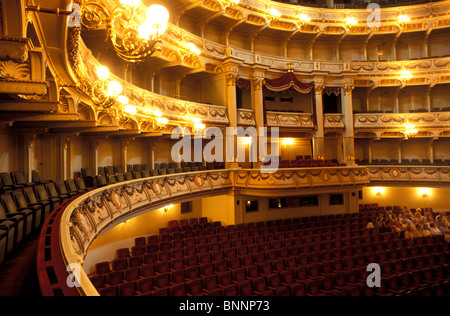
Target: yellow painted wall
[437, 198]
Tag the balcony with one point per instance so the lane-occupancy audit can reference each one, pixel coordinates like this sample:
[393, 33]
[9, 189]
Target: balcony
[290, 120]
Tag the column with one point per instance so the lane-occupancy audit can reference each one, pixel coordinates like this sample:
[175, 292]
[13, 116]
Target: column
[232, 77]
[66, 157]
[125, 144]
[318, 141]
[30, 157]
[349, 134]
[152, 155]
[258, 108]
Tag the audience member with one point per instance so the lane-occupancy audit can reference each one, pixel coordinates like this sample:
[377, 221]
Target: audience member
[434, 231]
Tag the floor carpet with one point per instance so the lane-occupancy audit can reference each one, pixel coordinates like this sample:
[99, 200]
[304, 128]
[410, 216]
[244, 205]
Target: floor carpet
[18, 276]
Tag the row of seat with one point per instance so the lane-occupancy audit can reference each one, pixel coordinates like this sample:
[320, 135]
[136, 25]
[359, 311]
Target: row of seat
[156, 255]
[347, 257]
[10, 181]
[116, 174]
[237, 273]
[24, 209]
[406, 162]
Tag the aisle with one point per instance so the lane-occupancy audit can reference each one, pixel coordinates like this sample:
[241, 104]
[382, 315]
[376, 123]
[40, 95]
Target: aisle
[18, 276]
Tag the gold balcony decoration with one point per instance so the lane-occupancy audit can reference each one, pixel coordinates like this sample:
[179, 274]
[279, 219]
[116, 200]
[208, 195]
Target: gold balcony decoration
[103, 93]
[132, 43]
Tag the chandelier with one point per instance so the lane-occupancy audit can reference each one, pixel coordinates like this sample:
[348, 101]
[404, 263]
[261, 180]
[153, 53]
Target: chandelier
[132, 42]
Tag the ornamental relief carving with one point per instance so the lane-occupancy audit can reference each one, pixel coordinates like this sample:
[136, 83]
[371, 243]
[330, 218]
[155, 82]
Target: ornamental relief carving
[11, 70]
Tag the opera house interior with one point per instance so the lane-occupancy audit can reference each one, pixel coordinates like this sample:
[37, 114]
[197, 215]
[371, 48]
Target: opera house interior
[226, 148]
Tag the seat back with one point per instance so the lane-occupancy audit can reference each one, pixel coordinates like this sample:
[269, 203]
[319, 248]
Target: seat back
[30, 195]
[61, 186]
[19, 178]
[71, 185]
[6, 179]
[41, 192]
[2, 212]
[21, 202]
[9, 204]
[86, 172]
[51, 189]
[35, 176]
[80, 184]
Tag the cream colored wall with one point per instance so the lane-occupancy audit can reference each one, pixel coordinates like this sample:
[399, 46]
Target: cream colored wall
[219, 208]
[416, 149]
[298, 48]
[138, 152]
[324, 208]
[269, 45]
[385, 149]
[6, 153]
[437, 198]
[441, 148]
[109, 153]
[163, 151]
[301, 147]
[440, 97]
[438, 43]
[325, 50]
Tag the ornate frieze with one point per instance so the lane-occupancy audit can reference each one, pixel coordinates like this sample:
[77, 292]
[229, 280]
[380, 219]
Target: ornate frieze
[399, 121]
[409, 174]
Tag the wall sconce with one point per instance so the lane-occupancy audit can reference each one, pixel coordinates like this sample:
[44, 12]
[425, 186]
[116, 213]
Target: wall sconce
[288, 141]
[411, 131]
[198, 125]
[233, 3]
[248, 140]
[304, 19]
[168, 208]
[406, 75]
[351, 23]
[424, 192]
[378, 191]
[275, 14]
[403, 20]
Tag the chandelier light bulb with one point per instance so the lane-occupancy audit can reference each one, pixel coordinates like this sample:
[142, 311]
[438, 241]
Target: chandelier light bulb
[193, 49]
[102, 73]
[157, 19]
[123, 100]
[130, 110]
[162, 120]
[115, 88]
[157, 113]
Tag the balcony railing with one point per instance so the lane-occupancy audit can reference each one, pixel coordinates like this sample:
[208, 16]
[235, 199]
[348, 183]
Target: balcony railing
[290, 120]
